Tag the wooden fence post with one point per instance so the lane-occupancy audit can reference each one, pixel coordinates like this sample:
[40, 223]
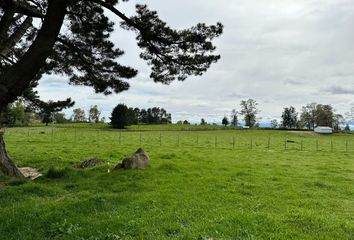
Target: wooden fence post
[286, 145]
[268, 143]
[331, 146]
[316, 145]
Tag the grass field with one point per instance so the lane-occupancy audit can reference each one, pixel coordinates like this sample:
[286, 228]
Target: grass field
[222, 184]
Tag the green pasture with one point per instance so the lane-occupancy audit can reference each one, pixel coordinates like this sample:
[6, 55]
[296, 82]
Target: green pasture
[221, 184]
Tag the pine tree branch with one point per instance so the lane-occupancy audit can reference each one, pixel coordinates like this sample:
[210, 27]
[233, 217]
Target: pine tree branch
[22, 7]
[20, 31]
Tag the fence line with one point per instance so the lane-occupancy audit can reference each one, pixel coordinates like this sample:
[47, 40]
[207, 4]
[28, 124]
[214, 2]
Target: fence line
[181, 139]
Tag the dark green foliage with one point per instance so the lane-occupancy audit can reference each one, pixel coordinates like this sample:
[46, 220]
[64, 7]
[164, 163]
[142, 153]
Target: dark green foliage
[55, 172]
[59, 118]
[203, 122]
[289, 117]
[171, 53]
[347, 128]
[153, 115]
[47, 109]
[122, 116]
[234, 118]
[85, 53]
[313, 115]
[225, 121]
[185, 122]
[94, 114]
[16, 182]
[15, 114]
[249, 110]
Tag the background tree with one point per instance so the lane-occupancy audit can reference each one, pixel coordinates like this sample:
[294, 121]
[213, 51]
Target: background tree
[274, 124]
[153, 115]
[325, 115]
[349, 119]
[234, 117]
[249, 110]
[122, 116]
[289, 117]
[314, 115]
[185, 122]
[94, 114]
[308, 116]
[337, 122]
[59, 118]
[225, 121]
[82, 50]
[203, 122]
[16, 114]
[78, 115]
[47, 109]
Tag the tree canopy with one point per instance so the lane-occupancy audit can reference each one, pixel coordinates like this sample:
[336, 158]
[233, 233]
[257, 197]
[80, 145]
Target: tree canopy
[72, 38]
[249, 110]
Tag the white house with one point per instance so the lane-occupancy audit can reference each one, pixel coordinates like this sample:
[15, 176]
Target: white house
[324, 130]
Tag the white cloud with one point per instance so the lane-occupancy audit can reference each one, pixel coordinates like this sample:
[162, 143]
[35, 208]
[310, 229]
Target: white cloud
[280, 53]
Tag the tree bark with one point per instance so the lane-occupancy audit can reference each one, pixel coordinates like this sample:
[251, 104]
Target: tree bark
[19, 76]
[14, 81]
[7, 166]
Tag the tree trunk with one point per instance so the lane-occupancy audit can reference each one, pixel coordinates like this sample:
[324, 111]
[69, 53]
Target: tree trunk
[7, 166]
[19, 76]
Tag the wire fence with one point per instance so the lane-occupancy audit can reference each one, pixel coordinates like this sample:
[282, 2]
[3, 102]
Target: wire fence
[237, 140]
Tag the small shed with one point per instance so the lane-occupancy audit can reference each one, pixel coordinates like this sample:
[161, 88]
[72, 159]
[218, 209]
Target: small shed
[323, 130]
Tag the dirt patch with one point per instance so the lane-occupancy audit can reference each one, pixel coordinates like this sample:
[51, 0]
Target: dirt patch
[31, 173]
[89, 163]
[303, 132]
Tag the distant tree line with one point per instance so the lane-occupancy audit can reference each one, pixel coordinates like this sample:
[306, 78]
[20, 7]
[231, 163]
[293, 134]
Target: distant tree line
[123, 116]
[23, 113]
[248, 110]
[313, 115]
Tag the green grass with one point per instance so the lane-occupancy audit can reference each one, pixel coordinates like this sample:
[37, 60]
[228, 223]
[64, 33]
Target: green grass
[194, 189]
[177, 127]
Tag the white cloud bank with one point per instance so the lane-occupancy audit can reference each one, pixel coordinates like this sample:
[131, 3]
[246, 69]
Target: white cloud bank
[280, 53]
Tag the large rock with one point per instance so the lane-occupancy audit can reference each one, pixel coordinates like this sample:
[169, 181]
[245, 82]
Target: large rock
[139, 160]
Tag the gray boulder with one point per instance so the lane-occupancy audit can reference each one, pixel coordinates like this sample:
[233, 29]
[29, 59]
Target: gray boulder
[139, 160]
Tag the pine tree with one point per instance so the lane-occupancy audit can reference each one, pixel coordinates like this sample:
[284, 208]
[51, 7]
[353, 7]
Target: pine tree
[83, 51]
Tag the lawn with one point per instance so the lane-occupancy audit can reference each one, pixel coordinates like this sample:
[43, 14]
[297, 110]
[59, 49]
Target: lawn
[222, 184]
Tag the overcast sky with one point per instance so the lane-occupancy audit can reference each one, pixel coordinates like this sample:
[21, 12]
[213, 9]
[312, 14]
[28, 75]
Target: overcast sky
[278, 52]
